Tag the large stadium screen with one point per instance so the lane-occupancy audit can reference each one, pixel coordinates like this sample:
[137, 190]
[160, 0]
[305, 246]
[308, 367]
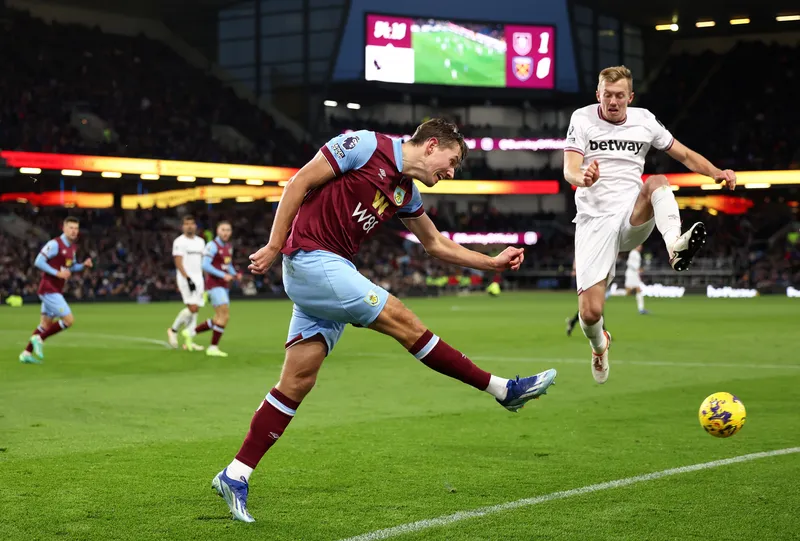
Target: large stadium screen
[432, 51]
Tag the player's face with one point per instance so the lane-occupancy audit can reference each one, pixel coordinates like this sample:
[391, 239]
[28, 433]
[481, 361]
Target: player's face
[71, 230]
[614, 99]
[224, 232]
[189, 227]
[440, 162]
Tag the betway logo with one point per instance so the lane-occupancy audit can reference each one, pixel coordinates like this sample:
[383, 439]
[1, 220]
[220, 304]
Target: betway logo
[730, 293]
[630, 146]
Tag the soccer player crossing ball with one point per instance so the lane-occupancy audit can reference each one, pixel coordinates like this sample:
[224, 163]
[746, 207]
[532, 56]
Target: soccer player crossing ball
[57, 263]
[187, 252]
[220, 272]
[604, 157]
[356, 182]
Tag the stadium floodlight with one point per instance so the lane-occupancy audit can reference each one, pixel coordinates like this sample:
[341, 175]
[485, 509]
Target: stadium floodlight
[221, 180]
[353, 106]
[110, 174]
[245, 199]
[71, 172]
[254, 182]
[671, 26]
[149, 176]
[705, 24]
[330, 103]
[30, 170]
[186, 178]
[711, 186]
[787, 18]
[742, 20]
[757, 185]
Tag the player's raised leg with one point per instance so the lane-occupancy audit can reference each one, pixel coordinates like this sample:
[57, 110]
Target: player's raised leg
[181, 321]
[591, 303]
[401, 324]
[220, 300]
[34, 353]
[657, 199]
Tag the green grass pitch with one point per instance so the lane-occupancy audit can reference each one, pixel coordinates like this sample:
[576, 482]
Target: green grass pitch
[470, 67]
[115, 437]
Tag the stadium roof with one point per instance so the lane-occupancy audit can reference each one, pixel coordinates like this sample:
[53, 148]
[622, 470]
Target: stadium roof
[653, 12]
[153, 9]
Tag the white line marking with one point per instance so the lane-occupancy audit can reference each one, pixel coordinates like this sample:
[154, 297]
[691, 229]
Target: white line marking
[493, 509]
[121, 337]
[482, 358]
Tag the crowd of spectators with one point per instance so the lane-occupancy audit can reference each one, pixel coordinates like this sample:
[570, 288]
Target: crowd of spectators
[155, 104]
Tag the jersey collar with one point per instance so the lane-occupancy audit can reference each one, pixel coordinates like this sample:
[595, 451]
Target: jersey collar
[219, 241]
[620, 123]
[65, 240]
[397, 144]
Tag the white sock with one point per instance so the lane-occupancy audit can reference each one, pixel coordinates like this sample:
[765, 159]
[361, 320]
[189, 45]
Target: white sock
[192, 322]
[595, 334]
[640, 301]
[181, 320]
[668, 217]
[497, 387]
[239, 471]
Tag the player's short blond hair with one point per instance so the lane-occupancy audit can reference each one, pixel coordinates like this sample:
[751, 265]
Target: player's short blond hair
[613, 74]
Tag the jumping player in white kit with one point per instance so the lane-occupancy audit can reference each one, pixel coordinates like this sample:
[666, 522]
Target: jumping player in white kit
[187, 251]
[633, 278]
[604, 157]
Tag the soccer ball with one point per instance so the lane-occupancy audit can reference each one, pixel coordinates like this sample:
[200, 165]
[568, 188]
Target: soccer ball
[722, 415]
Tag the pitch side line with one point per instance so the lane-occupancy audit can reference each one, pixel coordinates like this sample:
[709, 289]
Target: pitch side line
[527, 502]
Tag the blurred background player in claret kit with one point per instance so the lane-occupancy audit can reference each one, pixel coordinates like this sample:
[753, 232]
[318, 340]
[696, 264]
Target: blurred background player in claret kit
[220, 272]
[57, 263]
[187, 252]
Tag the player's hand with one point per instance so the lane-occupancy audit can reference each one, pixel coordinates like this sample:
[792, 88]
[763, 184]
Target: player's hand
[64, 274]
[190, 282]
[727, 176]
[228, 278]
[88, 263]
[510, 258]
[591, 174]
[262, 260]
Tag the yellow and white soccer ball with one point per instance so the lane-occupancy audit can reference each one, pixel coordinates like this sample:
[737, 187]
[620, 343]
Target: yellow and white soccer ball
[722, 415]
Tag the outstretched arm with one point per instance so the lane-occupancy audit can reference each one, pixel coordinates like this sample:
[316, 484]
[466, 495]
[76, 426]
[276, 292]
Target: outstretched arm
[440, 247]
[699, 164]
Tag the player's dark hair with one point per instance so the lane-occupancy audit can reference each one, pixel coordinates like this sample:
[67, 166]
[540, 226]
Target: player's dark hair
[188, 218]
[445, 132]
[223, 222]
[71, 220]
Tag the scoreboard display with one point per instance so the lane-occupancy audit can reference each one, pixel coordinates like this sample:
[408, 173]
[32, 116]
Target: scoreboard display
[448, 52]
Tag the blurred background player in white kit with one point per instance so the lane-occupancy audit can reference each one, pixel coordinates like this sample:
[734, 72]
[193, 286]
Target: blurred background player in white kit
[633, 278]
[604, 158]
[187, 251]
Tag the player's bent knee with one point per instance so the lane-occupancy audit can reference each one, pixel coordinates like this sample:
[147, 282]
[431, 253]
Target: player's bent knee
[68, 320]
[399, 322]
[655, 182]
[303, 361]
[591, 315]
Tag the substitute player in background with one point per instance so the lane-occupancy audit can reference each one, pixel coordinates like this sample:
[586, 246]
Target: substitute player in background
[57, 263]
[220, 272]
[604, 157]
[633, 278]
[356, 182]
[187, 251]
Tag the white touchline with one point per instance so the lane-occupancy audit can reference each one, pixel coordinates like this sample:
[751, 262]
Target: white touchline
[493, 509]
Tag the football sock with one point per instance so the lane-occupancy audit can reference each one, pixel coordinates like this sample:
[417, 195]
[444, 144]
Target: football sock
[437, 355]
[595, 334]
[192, 323]
[204, 326]
[181, 320]
[270, 420]
[668, 217]
[239, 471]
[39, 330]
[640, 301]
[54, 328]
[218, 330]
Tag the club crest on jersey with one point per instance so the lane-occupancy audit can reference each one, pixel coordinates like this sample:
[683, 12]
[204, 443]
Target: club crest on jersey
[523, 41]
[372, 298]
[227, 260]
[351, 142]
[399, 196]
[630, 146]
[68, 263]
[523, 67]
